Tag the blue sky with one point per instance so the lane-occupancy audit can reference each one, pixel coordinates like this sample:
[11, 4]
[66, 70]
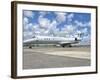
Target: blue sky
[53, 23]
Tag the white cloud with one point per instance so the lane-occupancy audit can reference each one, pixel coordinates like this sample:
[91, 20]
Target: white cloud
[43, 13]
[78, 32]
[53, 24]
[28, 14]
[25, 21]
[81, 24]
[85, 30]
[53, 30]
[60, 16]
[70, 16]
[69, 28]
[37, 30]
[67, 31]
[87, 38]
[44, 22]
[35, 26]
[89, 24]
[28, 27]
[47, 27]
[27, 34]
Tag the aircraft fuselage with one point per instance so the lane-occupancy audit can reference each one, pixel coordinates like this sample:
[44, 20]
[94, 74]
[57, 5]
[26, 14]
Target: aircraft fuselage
[52, 40]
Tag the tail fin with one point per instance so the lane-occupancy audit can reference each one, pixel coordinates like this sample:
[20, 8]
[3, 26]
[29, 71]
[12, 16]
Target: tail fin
[79, 35]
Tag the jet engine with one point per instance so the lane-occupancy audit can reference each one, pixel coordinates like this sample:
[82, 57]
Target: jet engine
[75, 39]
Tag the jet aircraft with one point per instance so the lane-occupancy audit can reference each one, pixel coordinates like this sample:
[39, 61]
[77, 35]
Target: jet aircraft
[62, 41]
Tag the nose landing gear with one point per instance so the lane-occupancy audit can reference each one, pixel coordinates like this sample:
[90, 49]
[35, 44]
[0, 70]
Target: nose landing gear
[68, 45]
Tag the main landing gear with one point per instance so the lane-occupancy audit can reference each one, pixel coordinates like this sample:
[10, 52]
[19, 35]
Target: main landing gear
[69, 45]
[30, 47]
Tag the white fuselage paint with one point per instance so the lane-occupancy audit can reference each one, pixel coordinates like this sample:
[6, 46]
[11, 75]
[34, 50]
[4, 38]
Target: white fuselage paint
[51, 40]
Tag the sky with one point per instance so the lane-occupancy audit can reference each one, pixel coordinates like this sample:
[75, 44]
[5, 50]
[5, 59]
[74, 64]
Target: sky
[54, 23]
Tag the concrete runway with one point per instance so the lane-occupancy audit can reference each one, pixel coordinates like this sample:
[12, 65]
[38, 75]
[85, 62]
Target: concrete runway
[55, 57]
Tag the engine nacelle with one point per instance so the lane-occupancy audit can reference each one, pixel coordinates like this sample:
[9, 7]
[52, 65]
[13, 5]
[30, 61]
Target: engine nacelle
[75, 39]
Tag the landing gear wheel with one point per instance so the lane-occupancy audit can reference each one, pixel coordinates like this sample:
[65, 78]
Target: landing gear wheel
[30, 47]
[70, 45]
[63, 45]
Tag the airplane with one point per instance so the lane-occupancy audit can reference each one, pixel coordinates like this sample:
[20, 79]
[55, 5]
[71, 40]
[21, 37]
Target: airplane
[62, 41]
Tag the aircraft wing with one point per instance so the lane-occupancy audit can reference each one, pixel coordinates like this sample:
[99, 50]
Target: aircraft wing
[67, 42]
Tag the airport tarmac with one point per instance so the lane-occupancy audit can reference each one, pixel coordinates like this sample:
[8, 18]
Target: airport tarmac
[54, 57]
